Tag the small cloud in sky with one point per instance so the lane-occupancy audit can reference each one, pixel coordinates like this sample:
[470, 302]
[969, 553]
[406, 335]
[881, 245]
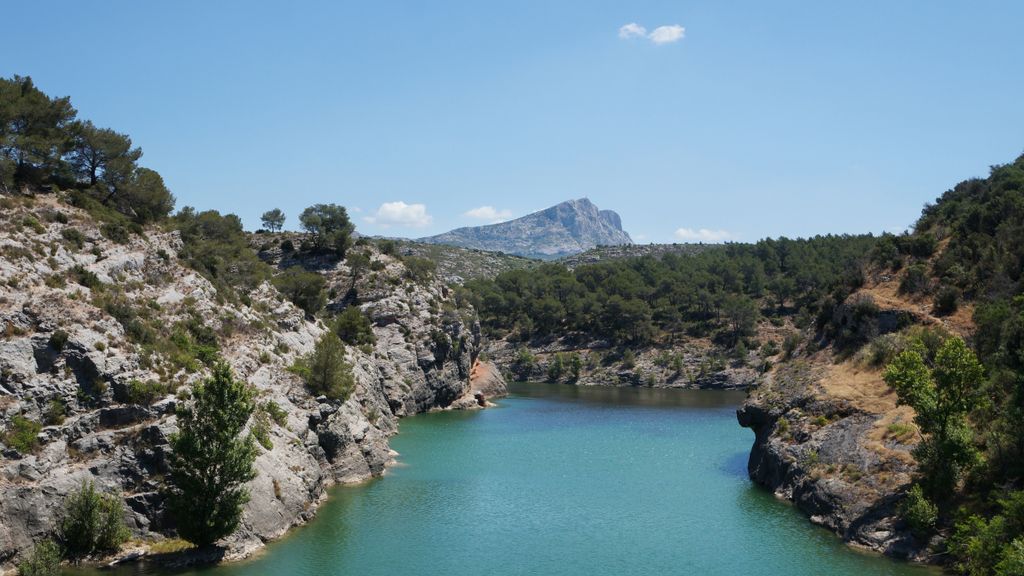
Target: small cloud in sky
[667, 34]
[703, 235]
[632, 30]
[660, 35]
[488, 213]
[400, 214]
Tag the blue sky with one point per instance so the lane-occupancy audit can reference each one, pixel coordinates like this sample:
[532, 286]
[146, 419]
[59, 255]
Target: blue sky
[757, 119]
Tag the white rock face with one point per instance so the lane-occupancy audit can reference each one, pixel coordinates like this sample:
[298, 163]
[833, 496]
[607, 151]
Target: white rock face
[421, 361]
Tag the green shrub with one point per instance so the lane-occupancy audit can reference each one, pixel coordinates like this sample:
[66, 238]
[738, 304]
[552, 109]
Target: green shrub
[55, 412]
[260, 429]
[782, 427]
[115, 232]
[44, 560]
[22, 434]
[915, 280]
[947, 300]
[628, 360]
[73, 237]
[145, 393]
[80, 275]
[919, 512]
[31, 222]
[92, 521]
[353, 327]
[524, 358]
[304, 289]
[58, 339]
[389, 247]
[276, 413]
[575, 366]
[325, 369]
[790, 343]
[556, 367]
[419, 269]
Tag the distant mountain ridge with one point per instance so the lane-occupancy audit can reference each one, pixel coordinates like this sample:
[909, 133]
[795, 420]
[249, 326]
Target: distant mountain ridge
[571, 227]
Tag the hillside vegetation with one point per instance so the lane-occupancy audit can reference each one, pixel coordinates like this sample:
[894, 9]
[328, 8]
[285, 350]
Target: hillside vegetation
[168, 376]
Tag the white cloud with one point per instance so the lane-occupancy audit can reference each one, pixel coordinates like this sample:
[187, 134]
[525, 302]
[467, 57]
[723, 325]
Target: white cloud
[703, 235]
[400, 214]
[667, 34]
[632, 30]
[660, 35]
[488, 213]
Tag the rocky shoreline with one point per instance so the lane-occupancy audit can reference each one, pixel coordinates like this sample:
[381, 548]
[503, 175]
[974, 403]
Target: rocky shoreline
[694, 364]
[833, 459]
[71, 359]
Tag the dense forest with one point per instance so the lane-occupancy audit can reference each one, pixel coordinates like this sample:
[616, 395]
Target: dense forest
[719, 293]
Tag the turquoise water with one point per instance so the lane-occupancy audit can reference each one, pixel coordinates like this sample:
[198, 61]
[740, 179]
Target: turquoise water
[567, 481]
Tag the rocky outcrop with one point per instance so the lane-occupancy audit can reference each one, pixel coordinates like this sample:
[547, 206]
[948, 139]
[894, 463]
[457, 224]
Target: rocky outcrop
[73, 358]
[567, 228]
[833, 456]
[693, 364]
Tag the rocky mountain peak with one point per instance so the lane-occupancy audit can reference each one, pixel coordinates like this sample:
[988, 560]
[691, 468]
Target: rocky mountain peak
[567, 228]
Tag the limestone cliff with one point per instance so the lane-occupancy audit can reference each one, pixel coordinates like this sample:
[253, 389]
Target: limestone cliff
[78, 314]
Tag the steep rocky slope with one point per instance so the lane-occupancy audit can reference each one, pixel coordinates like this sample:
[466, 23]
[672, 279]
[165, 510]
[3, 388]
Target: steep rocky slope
[829, 434]
[567, 228]
[75, 311]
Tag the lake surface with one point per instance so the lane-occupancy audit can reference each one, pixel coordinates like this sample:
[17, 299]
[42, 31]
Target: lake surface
[563, 480]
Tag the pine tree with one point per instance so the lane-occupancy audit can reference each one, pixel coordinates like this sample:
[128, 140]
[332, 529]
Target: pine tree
[273, 220]
[210, 461]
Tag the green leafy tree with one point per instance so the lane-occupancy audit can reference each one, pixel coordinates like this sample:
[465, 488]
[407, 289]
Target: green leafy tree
[357, 263]
[145, 197]
[741, 314]
[326, 371]
[330, 227]
[210, 459]
[34, 129]
[92, 521]
[942, 395]
[95, 149]
[273, 220]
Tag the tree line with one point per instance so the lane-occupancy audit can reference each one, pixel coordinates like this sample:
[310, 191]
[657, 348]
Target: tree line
[639, 301]
[44, 144]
